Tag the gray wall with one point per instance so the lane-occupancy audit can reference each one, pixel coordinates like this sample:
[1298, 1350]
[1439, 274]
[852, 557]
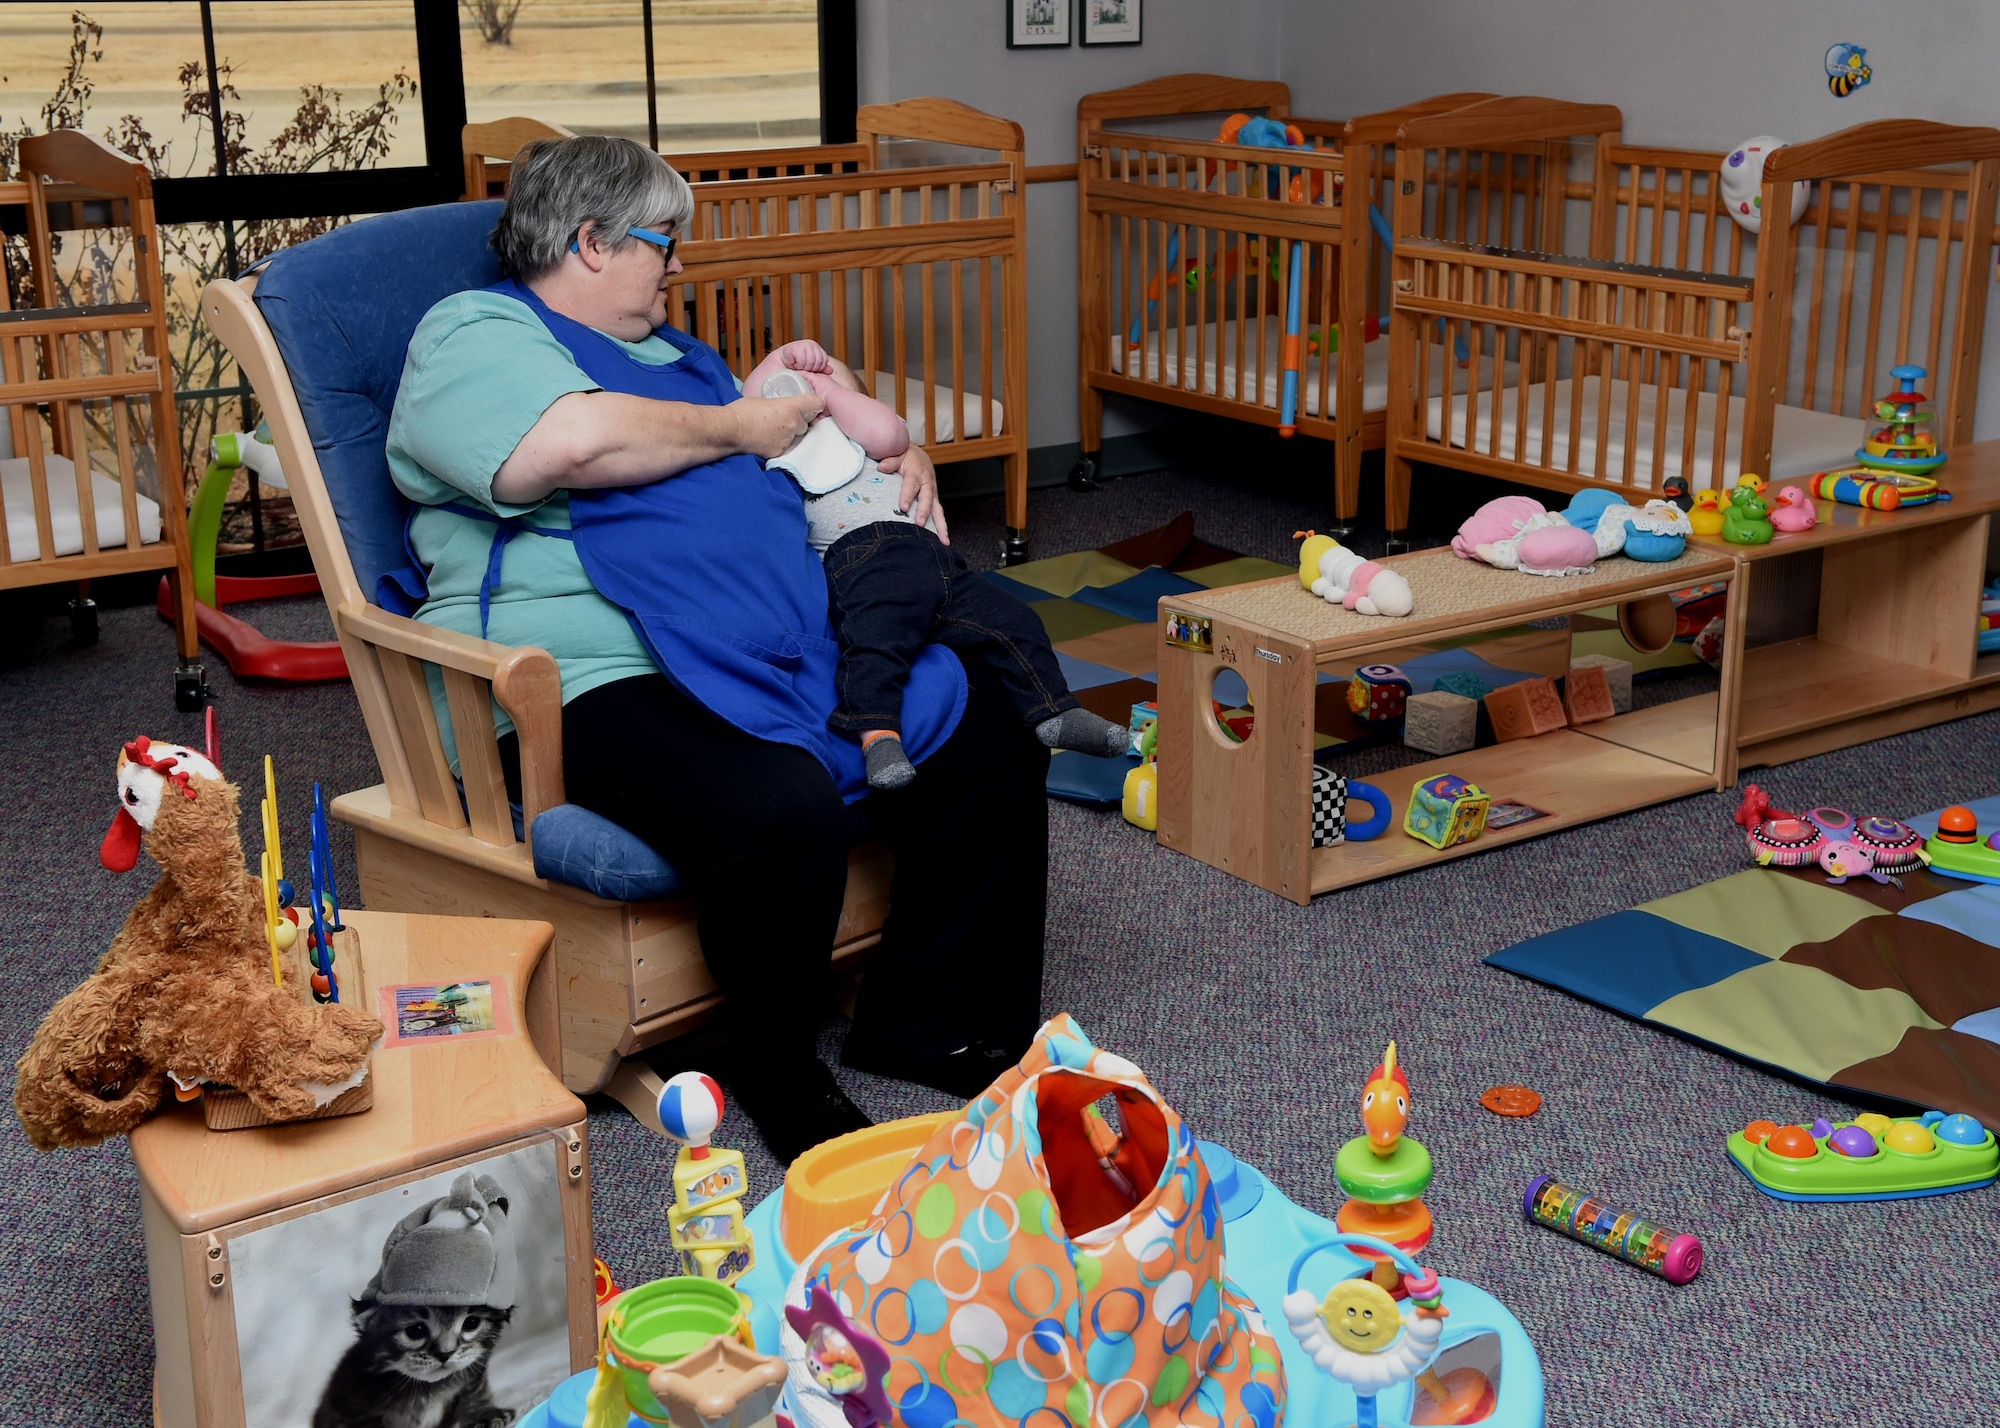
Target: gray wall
[1687, 73]
[958, 49]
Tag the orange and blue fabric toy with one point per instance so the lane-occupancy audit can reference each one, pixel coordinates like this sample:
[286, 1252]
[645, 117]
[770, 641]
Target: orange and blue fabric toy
[1034, 1264]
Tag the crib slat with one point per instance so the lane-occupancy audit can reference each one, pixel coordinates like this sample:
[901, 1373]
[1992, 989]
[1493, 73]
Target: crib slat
[121, 437]
[1879, 230]
[1672, 317]
[79, 440]
[1718, 460]
[38, 471]
[1548, 363]
[961, 386]
[1940, 278]
[1911, 248]
[899, 362]
[1845, 318]
[871, 298]
[1606, 312]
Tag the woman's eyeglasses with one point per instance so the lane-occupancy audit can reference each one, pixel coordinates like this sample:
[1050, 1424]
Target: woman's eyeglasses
[665, 242]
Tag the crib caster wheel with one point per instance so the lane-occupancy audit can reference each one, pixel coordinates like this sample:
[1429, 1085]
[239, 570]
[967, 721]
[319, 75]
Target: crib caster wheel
[1083, 475]
[1398, 544]
[190, 688]
[1014, 546]
[83, 621]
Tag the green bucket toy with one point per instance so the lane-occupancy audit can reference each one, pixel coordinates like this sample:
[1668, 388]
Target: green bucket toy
[665, 1321]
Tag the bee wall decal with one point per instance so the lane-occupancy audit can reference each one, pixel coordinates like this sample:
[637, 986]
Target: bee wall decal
[1847, 69]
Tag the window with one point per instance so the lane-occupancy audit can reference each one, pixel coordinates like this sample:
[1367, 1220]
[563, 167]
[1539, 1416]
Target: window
[321, 110]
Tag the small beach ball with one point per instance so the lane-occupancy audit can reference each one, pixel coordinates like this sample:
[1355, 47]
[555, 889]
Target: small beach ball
[691, 1107]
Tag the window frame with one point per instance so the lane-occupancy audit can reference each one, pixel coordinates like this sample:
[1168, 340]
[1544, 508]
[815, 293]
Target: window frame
[221, 198]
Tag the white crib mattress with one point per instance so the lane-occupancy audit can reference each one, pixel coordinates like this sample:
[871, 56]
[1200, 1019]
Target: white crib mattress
[1220, 378]
[979, 416]
[1803, 442]
[65, 520]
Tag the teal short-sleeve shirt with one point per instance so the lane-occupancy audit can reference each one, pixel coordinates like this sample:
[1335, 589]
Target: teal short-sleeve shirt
[480, 371]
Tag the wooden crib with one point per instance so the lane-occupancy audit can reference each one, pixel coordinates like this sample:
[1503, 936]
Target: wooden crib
[1673, 349]
[91, 483]
[903, 254]
[1172, 311]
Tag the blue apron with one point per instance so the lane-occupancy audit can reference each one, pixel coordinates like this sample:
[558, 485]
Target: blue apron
[712, 568]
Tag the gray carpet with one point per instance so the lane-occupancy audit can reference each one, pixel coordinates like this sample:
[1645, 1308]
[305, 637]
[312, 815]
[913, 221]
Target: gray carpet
[1258, 1019]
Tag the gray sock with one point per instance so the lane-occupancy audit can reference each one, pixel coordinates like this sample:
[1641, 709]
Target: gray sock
[888, 766]
[1085, 732]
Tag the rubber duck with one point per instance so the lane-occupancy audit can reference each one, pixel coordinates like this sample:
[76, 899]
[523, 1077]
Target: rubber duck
[1706, 517]
[1753, 481]
[1747, 520]
[1794, 512]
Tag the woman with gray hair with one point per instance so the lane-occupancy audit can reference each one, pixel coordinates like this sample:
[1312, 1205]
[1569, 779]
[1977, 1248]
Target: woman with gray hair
[590, 479]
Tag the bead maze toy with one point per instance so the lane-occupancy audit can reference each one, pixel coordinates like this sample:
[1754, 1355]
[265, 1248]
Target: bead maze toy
[1871, 1157]
[1906, 439]
[1956, 852]
[1676, 1258]
[705, 1222]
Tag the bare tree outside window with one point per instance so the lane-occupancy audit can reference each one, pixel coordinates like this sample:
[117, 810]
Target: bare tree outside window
[494, 18]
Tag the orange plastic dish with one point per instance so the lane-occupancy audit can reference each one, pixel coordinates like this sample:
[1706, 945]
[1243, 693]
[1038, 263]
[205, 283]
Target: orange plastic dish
[837, 1183]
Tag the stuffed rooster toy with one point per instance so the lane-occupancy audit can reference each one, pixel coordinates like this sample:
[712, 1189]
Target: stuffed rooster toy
[185, 991]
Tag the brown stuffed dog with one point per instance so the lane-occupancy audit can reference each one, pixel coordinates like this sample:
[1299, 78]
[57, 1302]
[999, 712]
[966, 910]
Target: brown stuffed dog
[186, 989]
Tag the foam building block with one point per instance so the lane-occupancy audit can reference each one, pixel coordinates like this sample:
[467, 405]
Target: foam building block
[1617, 672]
[1440, 722]
[1587, 694]
[1521, 711]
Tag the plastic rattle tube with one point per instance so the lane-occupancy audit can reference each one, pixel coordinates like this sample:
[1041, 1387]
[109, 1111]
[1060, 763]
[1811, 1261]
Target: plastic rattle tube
[1551, 1204]
[1288, 419]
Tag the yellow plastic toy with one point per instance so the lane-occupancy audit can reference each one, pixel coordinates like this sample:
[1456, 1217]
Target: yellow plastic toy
[1142, 785]
[705, 1223]
[1706, 517]
[836, 1183]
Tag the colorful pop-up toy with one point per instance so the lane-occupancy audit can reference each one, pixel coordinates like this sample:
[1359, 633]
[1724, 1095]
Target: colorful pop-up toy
[706, 1220]
[1385, 1172]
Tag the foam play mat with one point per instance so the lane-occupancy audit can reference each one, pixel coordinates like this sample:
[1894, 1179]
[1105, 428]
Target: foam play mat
[1100, 608]
[1865, 987]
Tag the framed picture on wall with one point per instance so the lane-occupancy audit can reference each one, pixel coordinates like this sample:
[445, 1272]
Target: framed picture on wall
[1111, 22]
[1033, 24]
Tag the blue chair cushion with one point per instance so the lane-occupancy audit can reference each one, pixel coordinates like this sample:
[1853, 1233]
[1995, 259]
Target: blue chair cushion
[578, 847]
[342, 308]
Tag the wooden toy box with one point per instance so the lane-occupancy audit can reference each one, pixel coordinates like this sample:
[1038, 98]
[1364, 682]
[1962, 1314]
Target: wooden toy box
[1246, 807]
[257, 1240]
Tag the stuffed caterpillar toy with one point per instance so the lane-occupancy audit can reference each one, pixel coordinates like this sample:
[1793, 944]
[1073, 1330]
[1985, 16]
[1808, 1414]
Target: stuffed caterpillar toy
[1337, 575]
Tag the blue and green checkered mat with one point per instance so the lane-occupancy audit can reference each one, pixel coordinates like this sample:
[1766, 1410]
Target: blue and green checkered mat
[1894, 992]
[1100, 609]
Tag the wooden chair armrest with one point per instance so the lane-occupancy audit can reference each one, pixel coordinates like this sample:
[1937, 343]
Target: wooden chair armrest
[523, 679]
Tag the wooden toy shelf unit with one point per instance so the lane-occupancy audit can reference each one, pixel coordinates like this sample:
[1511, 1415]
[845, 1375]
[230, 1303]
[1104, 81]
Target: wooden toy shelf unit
[1246, 807]
[90, 474]
[1681, 345]
[1867, 624]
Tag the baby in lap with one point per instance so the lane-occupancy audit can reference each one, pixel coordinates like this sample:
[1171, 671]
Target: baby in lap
[896, 587]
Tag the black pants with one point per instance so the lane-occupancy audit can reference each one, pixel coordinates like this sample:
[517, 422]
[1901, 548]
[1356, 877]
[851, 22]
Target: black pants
[762, 829]
[895, 587]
